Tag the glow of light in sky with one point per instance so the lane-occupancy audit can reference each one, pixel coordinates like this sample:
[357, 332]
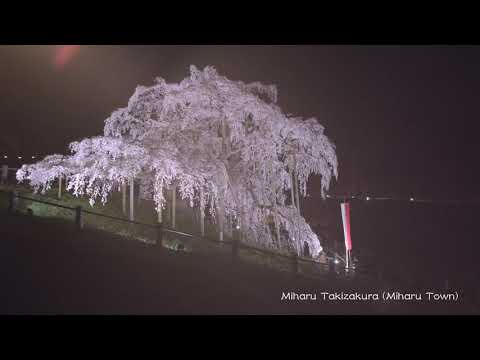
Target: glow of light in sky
[64, 54]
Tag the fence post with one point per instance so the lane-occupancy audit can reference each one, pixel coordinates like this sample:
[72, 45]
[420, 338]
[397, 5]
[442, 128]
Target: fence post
[4, 174]
[79, 217]
[235, 244]
[12, 201]
[159, 235]
[295, 263]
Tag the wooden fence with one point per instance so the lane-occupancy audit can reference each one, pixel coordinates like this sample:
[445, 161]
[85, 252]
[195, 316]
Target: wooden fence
[293, 263]
[297, 265]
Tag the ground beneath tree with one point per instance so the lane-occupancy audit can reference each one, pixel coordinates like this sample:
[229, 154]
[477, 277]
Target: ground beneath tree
[49, 267]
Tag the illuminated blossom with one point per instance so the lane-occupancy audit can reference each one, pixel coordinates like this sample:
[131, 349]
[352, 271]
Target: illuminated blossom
[225, 141]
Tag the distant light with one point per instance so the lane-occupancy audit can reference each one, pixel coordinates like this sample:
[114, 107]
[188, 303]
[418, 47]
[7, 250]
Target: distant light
[336, 261]
[411, 199]
[19, 157]
[33, 157]
[328, 195]
[5, 157]
[368, 198]
[238, 227]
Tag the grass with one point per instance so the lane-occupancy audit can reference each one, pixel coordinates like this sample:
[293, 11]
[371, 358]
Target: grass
[145, 213]
[47, 266]
[206, 250]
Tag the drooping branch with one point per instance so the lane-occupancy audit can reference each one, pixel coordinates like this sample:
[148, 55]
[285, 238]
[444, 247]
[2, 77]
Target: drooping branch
[225, 140]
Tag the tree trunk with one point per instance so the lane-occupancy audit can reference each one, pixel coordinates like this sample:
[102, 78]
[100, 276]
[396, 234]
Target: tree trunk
[291, 188]
[297, 205]
[132, 195]
[277, 226]
[221, 207]
[226, 146]
[60, 187]
[297, 192]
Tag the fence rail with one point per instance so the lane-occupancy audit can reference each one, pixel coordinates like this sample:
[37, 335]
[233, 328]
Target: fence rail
[44, 202]
[294, 260]
[119, 219]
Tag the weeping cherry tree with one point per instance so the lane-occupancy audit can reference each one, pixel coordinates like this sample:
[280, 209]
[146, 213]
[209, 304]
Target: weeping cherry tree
[225, 145]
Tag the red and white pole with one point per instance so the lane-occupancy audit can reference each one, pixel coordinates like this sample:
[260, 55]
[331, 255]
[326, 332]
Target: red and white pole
[345, 207]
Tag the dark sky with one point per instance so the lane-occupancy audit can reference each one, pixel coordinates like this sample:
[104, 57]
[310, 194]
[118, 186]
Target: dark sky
[404, 119]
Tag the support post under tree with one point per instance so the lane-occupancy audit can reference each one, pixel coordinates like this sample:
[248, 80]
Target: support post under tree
[242, 216]
[124, 198]
[174, 203]
[221, 214]
[160, 220]
[132, 217]
[60, 187]
[202, 213]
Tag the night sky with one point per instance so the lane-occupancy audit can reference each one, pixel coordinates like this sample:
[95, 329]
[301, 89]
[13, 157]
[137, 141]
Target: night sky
[403, 118]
